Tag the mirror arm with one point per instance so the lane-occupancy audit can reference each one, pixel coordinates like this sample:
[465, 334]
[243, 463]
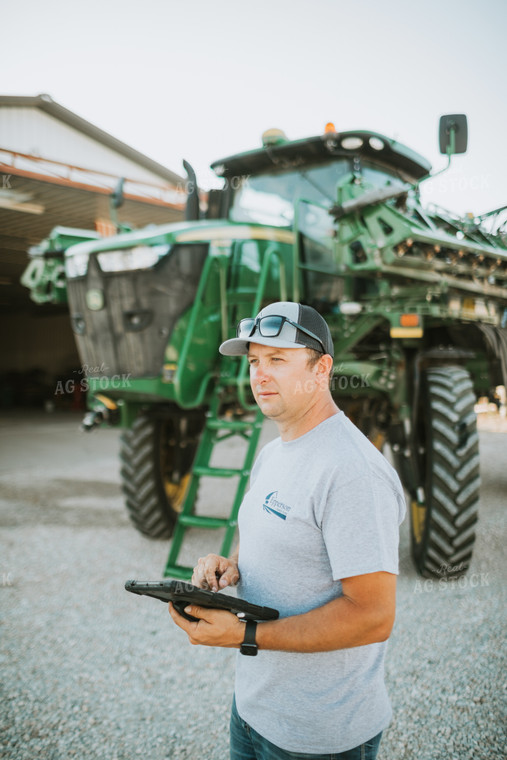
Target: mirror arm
[435, 174]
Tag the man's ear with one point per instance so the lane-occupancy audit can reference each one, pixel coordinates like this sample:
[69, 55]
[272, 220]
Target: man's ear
[325, 368]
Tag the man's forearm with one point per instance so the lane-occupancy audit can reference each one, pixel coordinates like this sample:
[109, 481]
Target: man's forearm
[364, 614]
[340, 624]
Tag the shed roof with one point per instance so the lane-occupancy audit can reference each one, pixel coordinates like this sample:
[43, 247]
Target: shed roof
[38, 193]
[46, 104]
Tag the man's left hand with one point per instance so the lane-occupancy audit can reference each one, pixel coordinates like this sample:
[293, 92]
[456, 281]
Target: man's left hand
[214, 628]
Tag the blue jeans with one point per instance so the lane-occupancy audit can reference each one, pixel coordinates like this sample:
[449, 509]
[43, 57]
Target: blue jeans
[247, 744]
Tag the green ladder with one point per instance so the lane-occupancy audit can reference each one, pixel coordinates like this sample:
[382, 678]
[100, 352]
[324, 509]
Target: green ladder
[215, 431]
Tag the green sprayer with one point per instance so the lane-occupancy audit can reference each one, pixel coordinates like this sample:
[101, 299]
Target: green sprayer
[416, 300]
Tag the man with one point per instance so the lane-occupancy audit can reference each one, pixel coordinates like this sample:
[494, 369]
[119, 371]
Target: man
[318, 535]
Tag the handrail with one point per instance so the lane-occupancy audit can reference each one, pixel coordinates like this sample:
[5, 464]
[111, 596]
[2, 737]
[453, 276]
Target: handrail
[271, 251]
[222, 262]
[194, 314]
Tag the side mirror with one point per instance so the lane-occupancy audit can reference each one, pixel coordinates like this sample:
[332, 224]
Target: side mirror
[453, 134]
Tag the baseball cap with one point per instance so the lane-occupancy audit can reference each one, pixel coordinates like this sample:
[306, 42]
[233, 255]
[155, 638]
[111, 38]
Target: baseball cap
[283, 324]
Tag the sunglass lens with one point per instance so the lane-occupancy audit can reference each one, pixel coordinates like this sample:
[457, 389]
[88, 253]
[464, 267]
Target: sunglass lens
[270, 326]
[245, 328]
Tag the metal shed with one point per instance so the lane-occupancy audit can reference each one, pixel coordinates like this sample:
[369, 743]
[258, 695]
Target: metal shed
[56, 168]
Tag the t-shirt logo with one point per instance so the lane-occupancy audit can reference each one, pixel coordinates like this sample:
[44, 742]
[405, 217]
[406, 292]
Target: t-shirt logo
[275, 507]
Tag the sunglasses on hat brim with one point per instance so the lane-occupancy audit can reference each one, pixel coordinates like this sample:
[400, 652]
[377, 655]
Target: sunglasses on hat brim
[271, 326]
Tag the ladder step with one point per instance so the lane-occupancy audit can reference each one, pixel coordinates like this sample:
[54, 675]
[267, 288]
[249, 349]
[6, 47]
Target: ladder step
[203, 521]
[225, 381]
[214, 424]
[216, 472]
[180, 572]
[187, 519]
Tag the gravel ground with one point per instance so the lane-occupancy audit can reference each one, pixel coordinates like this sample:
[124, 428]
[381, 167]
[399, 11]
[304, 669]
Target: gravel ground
[88, 671]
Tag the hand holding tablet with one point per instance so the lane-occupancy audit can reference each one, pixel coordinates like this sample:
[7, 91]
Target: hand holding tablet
[181, 593]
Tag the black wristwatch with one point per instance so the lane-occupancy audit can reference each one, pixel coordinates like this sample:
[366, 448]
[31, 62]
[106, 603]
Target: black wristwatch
[249, 646]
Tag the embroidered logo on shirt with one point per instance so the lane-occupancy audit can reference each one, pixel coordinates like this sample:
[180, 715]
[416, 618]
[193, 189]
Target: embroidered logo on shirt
[275, 507]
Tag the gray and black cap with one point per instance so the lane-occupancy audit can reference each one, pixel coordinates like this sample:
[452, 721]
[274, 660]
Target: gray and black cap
[289, 335]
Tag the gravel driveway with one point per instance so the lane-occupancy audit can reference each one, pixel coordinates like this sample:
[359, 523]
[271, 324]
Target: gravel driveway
[91, 672]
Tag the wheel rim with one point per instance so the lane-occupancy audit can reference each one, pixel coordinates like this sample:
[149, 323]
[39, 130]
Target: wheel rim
[418, 520]
[176, 492]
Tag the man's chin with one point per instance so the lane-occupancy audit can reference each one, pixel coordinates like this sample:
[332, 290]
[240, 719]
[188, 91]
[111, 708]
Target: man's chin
[268, 405]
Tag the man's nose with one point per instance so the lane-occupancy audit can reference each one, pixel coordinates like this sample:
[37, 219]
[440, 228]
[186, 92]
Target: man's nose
[260, 373]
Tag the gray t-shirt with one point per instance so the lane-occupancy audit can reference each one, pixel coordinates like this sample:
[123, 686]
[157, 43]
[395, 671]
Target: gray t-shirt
[322, 507]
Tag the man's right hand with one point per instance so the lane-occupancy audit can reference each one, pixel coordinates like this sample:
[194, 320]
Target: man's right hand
[214, 572]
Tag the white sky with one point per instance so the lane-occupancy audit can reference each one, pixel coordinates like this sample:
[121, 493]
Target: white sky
[203, 79]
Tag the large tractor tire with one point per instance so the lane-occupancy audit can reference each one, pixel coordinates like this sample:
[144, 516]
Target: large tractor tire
[156, 455]
[442, 528]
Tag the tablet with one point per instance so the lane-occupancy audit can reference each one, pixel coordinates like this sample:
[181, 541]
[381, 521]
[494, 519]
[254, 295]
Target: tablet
[181, 593]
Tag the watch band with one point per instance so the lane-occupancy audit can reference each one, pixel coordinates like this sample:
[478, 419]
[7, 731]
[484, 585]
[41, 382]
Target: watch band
[249, 646]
